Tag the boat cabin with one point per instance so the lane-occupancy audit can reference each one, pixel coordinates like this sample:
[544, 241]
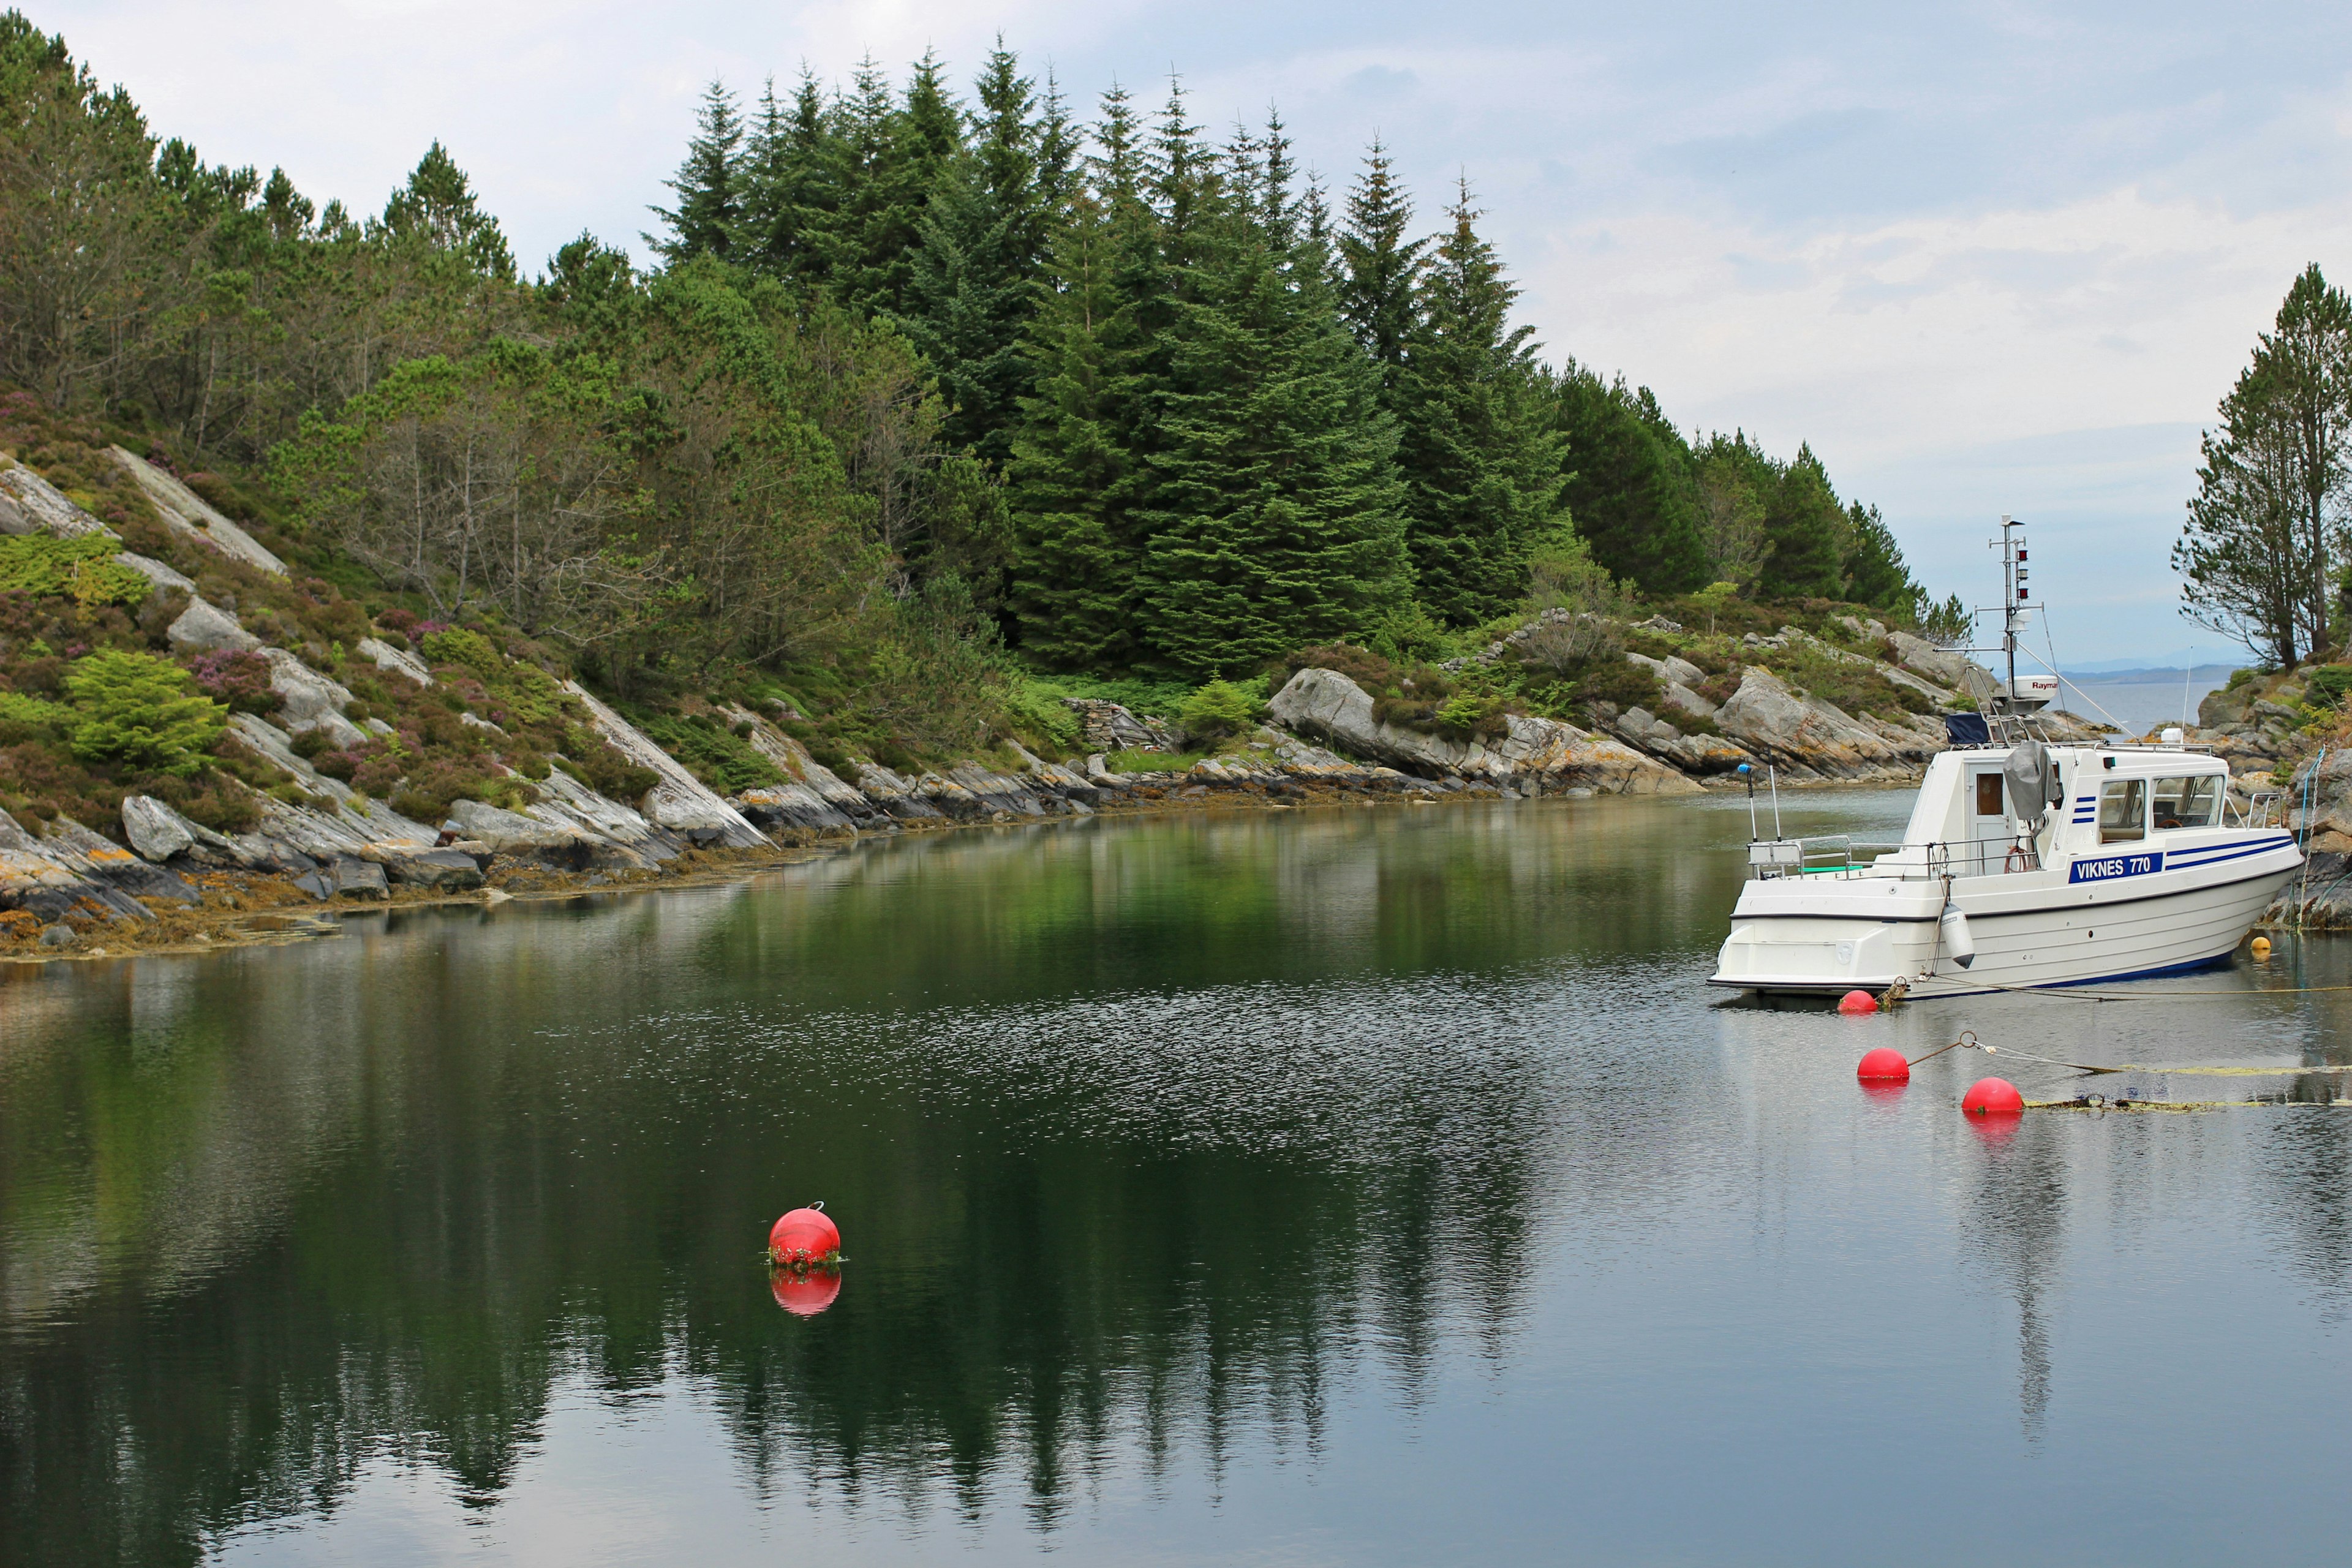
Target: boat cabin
[1967, 806]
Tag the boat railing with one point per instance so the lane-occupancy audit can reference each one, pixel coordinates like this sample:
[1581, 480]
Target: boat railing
[1831, 855]
[1843, 855]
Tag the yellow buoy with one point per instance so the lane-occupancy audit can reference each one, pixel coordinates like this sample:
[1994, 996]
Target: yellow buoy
[2262, 948]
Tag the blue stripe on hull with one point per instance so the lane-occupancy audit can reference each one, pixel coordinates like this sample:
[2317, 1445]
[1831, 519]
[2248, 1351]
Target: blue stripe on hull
[2219, 960]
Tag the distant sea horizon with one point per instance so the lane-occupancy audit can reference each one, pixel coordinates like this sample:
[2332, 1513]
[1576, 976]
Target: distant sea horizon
[2141, 697]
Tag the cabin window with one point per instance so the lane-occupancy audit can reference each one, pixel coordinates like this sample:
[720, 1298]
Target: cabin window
[1988, 795]
[2187, 803]
[2123, 810]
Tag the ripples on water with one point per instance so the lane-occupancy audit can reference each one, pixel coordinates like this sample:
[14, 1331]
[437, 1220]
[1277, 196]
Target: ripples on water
[1352, 1187]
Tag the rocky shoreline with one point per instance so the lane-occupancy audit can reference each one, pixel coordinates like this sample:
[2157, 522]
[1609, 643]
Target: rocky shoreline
[315, 842]
[187, 904]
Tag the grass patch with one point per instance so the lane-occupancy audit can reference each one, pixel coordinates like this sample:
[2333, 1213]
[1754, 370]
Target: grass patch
[1153, 761]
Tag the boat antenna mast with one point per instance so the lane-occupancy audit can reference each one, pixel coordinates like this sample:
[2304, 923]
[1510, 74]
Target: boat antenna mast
[2016, 608]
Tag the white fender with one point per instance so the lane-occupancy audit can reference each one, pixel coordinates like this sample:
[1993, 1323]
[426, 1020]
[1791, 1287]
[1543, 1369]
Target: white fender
[1958, 946]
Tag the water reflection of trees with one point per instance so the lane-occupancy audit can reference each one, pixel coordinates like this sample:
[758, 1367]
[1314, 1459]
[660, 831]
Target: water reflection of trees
[1138, 1157]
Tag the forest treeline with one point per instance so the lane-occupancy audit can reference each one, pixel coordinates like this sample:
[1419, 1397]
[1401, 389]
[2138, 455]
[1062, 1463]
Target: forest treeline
[923, 390]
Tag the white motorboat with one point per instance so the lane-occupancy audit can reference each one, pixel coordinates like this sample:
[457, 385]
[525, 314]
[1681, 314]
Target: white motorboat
[2036, 865]
[2023, 864]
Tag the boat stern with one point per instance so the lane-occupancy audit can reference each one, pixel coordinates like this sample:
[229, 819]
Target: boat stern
[1827, 938]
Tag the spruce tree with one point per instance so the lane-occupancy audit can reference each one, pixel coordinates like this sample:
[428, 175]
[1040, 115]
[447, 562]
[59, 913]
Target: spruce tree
[865, 123]
[972, 282]
[1275, 512]
[1380, 267]
[1481, 460]
[1873, 569]
[1804, 528]
[709, 203]
[899, 155]
[791, 187]
[1077, 470]
[1630, 485]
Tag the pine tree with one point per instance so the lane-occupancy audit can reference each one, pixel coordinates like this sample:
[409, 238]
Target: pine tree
[1380, 269]
[710, 202]
[1482, 463]
[1734, 479]
[437, 206]
[2266, 527]
[1630, 486]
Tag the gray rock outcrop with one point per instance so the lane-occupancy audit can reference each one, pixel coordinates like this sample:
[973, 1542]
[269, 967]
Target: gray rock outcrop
[310, 700]
[155, 571]
[155, 829]
[35, 501]
[680, 802]
[383, 656]
[1556, 757]
[1940, 665]
[1105, 726]
[1812, 738]
[186, 513]
[205, 629]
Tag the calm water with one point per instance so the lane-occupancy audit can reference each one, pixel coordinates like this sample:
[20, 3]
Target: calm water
[1374, 1185]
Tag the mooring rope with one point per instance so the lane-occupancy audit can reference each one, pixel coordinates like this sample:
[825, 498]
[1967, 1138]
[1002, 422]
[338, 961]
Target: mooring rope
[2074, 994]
[1969, 1042]
[2101, 1103]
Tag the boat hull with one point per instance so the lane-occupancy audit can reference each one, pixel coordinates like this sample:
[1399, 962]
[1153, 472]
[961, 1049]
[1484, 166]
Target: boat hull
[2030, 929]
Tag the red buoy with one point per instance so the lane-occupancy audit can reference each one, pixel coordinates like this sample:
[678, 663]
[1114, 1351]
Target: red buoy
[1992, 1096]
[1884, 1065]
[1857, 1002]
[804, 1295]
[803, 1236]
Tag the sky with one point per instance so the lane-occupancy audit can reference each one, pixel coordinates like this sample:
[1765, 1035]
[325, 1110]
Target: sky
[1985, 258]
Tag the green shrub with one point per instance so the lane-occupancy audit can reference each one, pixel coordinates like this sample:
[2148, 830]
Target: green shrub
[2324, 686]
[1039, 711]
[519, 692]
[137, 709]
[1621, 681]
[83, 569]
[1154, 697]
[426, 793]
[717, 756]
[602, 769]
[828, 753]
[24, 718]
[1217, 711]
[1467, 715]
[1151, 761]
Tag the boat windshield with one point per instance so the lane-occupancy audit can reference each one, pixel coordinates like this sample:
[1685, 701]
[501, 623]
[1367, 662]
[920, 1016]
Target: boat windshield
[2187, 802]
[2123, 810]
